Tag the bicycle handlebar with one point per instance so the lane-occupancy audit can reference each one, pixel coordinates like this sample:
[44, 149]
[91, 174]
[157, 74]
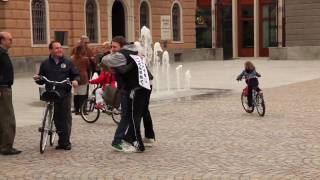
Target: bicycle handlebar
[247, 78]
[66, 81]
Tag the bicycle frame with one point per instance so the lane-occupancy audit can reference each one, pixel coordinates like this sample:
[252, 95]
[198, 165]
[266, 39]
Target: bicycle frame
[47, 128]
[254, 94]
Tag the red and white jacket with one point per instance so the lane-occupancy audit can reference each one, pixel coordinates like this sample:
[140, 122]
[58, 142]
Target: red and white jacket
[105, 78]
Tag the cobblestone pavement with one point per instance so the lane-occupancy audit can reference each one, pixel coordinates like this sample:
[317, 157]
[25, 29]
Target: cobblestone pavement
[208, 137]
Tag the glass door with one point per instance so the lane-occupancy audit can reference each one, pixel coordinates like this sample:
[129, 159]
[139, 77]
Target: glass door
[224, 27]
[268, 26]
[246, 28]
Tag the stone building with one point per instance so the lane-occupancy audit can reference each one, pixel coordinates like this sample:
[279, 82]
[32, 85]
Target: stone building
[189, 29]
[34, 23]
[302, 31]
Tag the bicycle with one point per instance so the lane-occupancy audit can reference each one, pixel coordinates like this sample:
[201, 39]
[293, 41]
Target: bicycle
[48, 130]
[91, 114]
[257, 101]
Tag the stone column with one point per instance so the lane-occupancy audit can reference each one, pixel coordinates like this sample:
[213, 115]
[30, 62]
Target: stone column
[213, 18]
[235, 28]
[280, 22]
[130, 20]
[256, 28]
[109, 12]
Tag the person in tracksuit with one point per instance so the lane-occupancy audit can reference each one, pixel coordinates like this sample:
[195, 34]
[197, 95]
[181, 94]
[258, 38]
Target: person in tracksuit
[139, 97]
[118, 142]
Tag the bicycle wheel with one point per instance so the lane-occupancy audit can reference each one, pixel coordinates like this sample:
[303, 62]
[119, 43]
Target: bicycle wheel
[52, 132]
[88, 112]
[244, 101]
[116, 115]
[45, 129]
[260, 105]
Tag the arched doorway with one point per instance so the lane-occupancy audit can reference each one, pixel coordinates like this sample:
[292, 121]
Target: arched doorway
[118, 19]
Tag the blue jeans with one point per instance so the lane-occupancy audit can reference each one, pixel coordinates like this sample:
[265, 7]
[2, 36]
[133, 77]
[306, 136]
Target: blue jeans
[125, 119]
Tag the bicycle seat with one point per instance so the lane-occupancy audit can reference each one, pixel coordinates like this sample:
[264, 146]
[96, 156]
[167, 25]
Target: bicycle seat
[49, 96]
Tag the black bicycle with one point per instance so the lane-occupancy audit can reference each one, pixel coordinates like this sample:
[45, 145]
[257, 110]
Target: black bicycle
[91, 114]
[257, 101]
[48, 130]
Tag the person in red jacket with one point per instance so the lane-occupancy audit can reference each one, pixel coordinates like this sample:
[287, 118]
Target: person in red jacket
[106, 78]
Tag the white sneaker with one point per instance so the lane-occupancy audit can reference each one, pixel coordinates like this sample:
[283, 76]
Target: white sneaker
[130, 149]
[116, 111]
[148, 142]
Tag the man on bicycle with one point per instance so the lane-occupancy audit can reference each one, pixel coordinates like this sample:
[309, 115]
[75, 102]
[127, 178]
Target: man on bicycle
[58, 68]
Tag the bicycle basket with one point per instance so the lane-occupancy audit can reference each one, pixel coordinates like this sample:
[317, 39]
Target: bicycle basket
[50, 96]
[245, 91]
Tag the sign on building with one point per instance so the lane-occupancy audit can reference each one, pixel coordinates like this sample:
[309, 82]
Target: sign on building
[165, 28]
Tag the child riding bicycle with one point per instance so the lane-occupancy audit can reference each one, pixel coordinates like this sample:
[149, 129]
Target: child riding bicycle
[250, 74]
[106, 78]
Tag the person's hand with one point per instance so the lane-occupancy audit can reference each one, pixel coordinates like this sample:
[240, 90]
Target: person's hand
[75, 84]
[36, 77]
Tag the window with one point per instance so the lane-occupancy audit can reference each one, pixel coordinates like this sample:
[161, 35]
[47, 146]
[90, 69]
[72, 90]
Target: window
[92, 21]
[176, 22]
[144, 15]
[39, 22]
[269, 15]
[62, 37]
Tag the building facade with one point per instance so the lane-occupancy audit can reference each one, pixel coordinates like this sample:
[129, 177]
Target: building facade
[302, 31]
[34, 23]
[188, 29]
[243, 28]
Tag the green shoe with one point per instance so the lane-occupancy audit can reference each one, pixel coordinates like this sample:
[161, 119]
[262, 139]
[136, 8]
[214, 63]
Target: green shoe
[118, 147]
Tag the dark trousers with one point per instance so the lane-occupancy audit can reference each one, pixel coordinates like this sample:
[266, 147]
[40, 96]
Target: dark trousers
[138, 109]
[78, 101]
[125, 118]
[252, 84]
[63, 119]
[7, 119]
[148, 125]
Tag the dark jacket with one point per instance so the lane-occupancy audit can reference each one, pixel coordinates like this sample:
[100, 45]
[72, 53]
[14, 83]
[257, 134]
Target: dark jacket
[125, 67]
[6, 69]
[58, 72]
[130, 71]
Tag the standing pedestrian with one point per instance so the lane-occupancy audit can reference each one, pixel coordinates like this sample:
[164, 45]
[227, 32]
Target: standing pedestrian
[117, 144]
[82, 93]
[137, 97]
[82, 63]
[58, 68]
[7, 117]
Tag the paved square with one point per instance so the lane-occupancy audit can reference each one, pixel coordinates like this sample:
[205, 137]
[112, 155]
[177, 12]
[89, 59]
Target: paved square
[204, 137]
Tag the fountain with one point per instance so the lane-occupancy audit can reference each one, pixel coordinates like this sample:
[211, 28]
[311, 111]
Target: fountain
[178, 74]
[187, 80]
[164, 86]
[146, 44]
[156, 64]
[166, 68]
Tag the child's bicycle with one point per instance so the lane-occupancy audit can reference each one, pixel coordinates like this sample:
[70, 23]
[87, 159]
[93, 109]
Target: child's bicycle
[257, 101]
[91, 114]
